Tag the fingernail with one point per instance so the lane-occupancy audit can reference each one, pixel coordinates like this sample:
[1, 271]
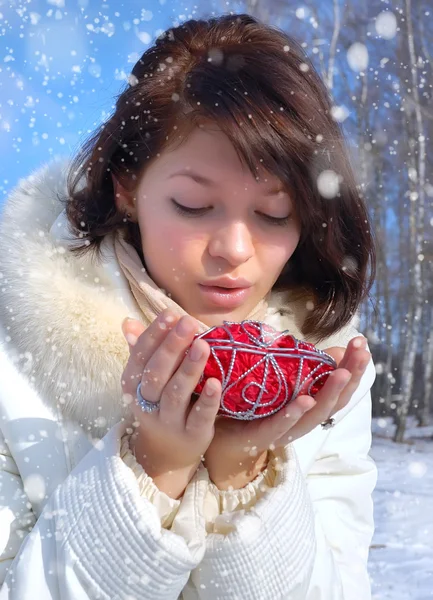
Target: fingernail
[131, 339]
[360, 342]
[309, 404]
[184, 327]
[126, 319]
[168, 317]
[343, 383]
[210, 388]
[195, 353]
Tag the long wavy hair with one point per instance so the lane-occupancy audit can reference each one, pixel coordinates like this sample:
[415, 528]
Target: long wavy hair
[259, 86]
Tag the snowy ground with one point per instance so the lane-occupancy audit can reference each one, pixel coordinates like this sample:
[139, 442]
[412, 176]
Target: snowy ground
[401, 556]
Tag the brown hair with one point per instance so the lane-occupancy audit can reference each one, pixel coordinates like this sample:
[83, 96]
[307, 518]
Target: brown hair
[261, 89]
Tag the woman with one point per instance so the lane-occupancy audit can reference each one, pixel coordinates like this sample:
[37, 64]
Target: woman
[211, 172]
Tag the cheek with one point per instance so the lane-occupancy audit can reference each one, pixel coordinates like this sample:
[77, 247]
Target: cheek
[170, 243]
[277, 254]
[292, 242]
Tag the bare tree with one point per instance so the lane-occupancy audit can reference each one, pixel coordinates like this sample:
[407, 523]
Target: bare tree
[417, 197]
[334, 41]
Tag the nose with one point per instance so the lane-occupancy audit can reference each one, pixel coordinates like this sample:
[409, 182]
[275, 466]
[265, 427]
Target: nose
[233, 243]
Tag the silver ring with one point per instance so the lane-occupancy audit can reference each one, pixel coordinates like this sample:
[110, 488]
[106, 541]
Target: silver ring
[144, 404]
[328, 423]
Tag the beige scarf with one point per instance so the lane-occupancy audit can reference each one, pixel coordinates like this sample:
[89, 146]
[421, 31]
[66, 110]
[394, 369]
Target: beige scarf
[151, 299]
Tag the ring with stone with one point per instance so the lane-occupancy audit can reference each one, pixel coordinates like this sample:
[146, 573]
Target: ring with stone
[328, 423]
[144, 404]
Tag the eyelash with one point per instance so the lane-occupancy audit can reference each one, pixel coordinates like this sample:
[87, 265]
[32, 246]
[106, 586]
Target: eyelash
[197, 212]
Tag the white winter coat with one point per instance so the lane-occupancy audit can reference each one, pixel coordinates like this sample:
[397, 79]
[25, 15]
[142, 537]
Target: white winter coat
[79, 518]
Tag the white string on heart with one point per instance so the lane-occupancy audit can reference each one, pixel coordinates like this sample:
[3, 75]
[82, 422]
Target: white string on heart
[261, 342]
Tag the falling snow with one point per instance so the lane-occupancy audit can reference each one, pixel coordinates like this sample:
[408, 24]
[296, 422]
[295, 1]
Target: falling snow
[62, 66]
[340, 113]
[386, 25]
[328, 183]
[357, 57]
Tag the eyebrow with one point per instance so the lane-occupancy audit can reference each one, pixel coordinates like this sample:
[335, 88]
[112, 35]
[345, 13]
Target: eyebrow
[202, 180]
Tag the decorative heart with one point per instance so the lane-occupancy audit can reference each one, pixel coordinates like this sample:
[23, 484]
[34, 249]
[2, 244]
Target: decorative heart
[261, 369]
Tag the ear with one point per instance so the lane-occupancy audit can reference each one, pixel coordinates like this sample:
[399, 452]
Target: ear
[122, 197]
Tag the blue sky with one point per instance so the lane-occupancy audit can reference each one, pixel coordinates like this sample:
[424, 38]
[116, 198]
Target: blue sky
[63, 62]
[61, 66]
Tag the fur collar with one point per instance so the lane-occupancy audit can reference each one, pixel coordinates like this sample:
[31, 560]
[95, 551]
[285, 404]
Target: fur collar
[61, 315]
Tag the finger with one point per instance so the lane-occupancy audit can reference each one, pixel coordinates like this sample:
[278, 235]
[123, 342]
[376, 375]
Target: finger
[337, 353]
[339, 392]
[204, 412]
[355, 360]
[176, 395]
[142, 344]
[302, 425]
[142, 340]
[356, 365]
[322, 409]
[334, 395]
[328, 396]
[132, 329]
[355, 346]
[167, 357]
[272, 428]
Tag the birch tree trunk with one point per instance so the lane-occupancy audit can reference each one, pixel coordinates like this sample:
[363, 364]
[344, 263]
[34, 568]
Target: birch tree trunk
[425, 412]
[427, 402]
[333, 46]
[417, 210]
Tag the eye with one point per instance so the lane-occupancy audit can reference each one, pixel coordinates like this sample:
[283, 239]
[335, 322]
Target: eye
[281, 221]
[186, 210]
[196, 212]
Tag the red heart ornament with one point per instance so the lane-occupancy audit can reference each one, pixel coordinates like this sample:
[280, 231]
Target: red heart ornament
[261, 369]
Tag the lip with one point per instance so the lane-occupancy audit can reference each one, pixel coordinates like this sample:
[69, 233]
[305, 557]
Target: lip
[228, 282]
[227, 298]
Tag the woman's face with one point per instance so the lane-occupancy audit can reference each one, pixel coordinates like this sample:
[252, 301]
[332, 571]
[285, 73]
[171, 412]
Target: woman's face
[231, 236]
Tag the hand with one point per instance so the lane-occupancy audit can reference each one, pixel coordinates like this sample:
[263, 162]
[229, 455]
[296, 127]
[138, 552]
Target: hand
[352, 360]
[173, 439]
[238, 450]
